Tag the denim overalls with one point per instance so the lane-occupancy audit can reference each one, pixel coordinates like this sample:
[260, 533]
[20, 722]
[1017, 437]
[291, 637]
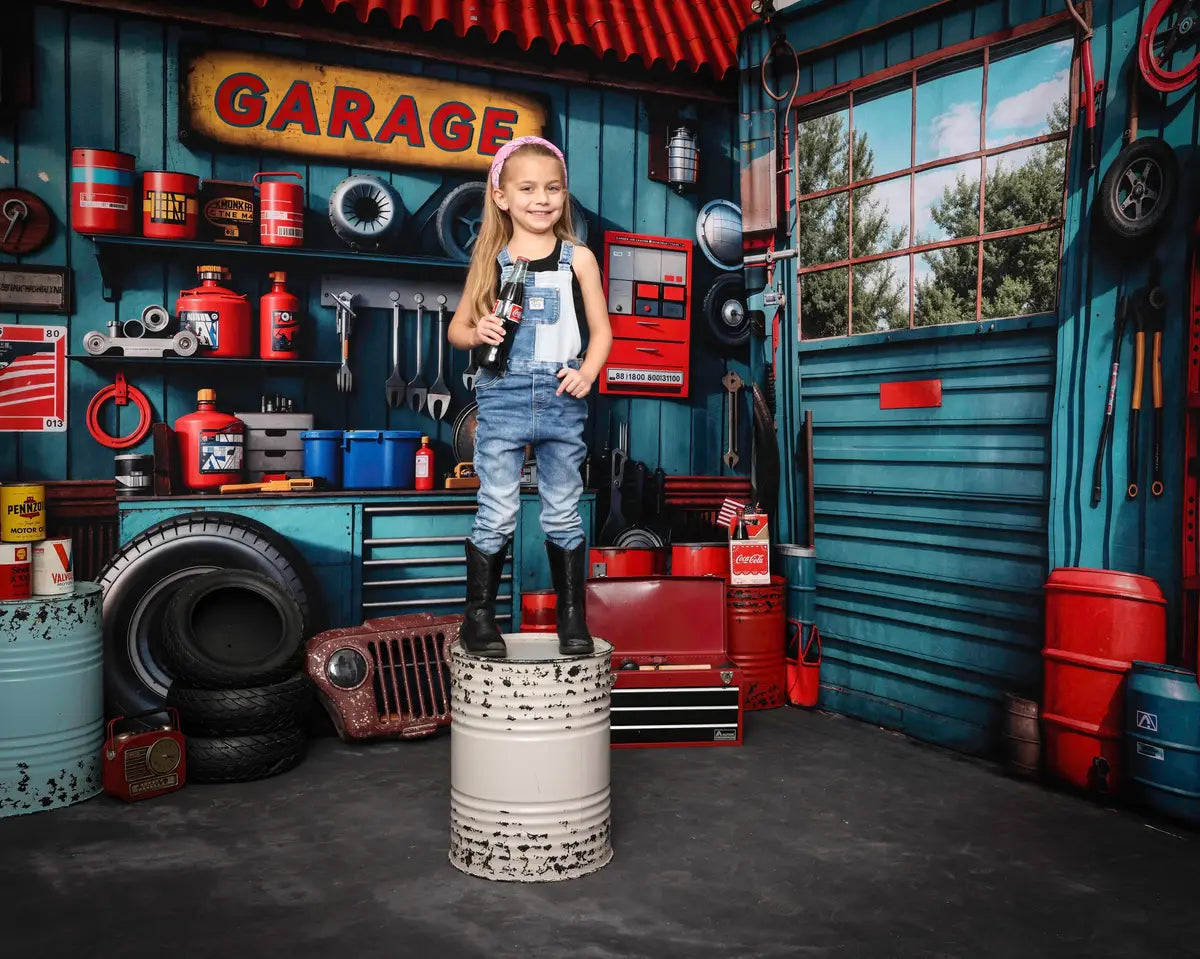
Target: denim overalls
[521, 407]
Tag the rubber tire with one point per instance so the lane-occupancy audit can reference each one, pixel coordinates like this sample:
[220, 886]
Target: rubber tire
[1115, 222]
[140, 580]
[242, 712]
[727, 286]
[377, 188]
[239, 759]
[203, 658]
[468, 198]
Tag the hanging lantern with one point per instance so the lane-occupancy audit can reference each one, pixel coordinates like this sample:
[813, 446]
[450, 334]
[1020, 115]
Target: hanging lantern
[683, 159]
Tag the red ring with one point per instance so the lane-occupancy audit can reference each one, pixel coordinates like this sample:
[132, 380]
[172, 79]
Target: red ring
[138, 399]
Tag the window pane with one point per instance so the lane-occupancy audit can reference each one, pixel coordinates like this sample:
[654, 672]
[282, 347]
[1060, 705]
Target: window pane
[1025, 186]
[945, 285]
[947, 201]
[1028, 93]
[881, 295]
[882, 134]
[881, 213]
[948, 110]
[824, 230]
[824, 299]
[1020, 274]
[823, 153]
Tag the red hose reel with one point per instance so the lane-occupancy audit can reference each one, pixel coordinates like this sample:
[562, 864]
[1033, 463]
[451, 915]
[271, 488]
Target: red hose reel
[121, 394]
[1156, 49]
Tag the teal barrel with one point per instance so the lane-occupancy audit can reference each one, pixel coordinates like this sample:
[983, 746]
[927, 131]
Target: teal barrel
[800, 571]
[1162, 739]
[51, 700]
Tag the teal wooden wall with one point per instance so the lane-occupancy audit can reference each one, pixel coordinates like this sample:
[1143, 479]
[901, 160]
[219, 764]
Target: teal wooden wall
[109, 81]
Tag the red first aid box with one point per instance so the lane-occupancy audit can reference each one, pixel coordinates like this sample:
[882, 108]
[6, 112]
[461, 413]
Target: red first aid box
[674, 682]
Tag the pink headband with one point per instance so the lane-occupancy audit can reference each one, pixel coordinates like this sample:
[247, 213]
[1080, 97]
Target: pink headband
[511, 146]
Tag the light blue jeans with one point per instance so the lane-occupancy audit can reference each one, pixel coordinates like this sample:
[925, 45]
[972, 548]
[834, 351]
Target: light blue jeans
[522, 408]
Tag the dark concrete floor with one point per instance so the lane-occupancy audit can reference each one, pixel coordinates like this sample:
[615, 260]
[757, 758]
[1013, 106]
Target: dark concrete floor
[820, 837]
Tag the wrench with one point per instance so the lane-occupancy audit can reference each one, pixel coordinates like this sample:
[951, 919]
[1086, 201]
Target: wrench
[439, 393]
[732, 383]
[394, 386]
[416, 386]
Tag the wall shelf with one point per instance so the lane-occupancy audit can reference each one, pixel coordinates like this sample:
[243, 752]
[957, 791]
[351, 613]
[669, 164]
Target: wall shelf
[113, 252]
[283, 366]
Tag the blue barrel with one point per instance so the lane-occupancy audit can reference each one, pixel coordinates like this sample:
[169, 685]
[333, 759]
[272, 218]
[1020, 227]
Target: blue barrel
[800, 571]
[51, 700]
[1162, 739]
[323, 456]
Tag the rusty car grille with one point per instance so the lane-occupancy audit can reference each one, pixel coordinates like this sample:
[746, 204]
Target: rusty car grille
[411, 676]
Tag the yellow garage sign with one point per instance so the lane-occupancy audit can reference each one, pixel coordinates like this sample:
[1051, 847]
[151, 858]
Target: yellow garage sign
[273, 104]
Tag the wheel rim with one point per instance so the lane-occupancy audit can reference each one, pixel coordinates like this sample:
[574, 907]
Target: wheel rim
[1139, 189]
[733, 315]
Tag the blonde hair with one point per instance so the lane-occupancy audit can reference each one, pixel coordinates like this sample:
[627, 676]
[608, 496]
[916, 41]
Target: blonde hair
[494, 234]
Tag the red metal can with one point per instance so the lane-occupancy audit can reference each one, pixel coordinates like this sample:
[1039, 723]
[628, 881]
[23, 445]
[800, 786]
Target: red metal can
[621, 561]
[280, 211]
[219, 317]
[279, 321]
[15, 566]
[211, 445]
[102, 191]
[539, 611]
[169, 204]
[700, 559]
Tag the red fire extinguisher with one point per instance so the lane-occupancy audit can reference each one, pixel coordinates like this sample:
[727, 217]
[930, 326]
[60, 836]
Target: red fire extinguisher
[423, 473]
[218, 317]
[211, 444]
[279, 322]
[281, 211]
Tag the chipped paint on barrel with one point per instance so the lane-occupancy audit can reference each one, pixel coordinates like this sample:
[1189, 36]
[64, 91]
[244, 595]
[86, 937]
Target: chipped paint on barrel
[51, 700]
[529, 761]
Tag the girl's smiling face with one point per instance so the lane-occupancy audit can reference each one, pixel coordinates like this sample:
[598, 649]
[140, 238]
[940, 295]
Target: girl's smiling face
[532, 191]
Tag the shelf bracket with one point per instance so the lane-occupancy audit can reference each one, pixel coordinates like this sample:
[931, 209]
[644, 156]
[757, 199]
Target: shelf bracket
[110, 290]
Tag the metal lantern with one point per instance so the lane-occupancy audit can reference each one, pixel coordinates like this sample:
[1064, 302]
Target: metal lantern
[683, 159]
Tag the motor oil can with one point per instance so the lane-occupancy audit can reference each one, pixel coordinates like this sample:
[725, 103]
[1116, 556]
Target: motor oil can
[279, 322]
[211, 445]
[219, 318]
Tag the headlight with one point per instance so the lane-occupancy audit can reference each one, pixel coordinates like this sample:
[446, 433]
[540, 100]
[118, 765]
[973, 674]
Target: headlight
[346, 668]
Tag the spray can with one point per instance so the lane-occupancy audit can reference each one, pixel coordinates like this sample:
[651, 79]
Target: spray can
[211, 444]
[279, 322]
[423, 473]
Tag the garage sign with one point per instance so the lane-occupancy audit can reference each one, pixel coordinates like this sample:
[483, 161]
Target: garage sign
[276, 105]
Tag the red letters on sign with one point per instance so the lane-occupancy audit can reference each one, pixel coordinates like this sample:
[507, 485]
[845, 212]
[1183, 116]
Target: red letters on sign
[351, 108]
[238, 110]
[403, 121]
[493, 134]
[296, 107]
[450, 127]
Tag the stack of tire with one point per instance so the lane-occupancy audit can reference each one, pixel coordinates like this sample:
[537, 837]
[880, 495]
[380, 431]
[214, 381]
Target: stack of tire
[233, 640]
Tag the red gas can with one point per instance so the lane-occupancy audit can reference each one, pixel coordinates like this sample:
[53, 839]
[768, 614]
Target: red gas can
[169, 205]
[280, 211]
[211, 444]
[218, 317]
[102, 191]
[279, 322]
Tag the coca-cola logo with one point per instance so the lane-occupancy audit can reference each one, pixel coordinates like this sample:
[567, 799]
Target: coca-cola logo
[749, 558]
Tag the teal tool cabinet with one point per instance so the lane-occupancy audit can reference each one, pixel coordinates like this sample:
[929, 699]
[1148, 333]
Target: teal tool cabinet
[380, 554]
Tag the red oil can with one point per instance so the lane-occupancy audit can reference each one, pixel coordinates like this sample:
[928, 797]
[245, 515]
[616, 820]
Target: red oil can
[138, 765]
[423, 467]
[280, 211]
[279, 322]
[211, 444]
[102, 191]
[169, 202]
[218, 317]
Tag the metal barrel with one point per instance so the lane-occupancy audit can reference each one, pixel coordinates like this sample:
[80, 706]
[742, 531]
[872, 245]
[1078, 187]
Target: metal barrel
[756, 620]
[529, 761]
[51, 700]
[1162, 739]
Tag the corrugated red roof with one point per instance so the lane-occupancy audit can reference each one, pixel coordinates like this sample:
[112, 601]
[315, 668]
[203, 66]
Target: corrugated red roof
[678, 33]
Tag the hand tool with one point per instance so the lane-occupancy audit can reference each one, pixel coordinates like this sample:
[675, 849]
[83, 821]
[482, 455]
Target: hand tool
[1135, 400]
[416, 386]
[272, 486]
[471, 373]
[394, 386]
[1106, 427]
[344, 311]
[1088, 86]
[732, 383]
[1156, 300]
[616, 518]
[439, 393]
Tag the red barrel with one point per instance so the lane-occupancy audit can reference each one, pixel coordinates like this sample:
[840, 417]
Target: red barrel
[700, 559]
[1097, 623]
[280, 211]
[608, 561]
[539, 611]
[756, 617]
[169, 204]
[102, 191]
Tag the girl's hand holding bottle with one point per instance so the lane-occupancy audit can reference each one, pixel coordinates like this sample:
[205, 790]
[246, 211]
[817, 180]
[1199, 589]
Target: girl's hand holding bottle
[489, 330]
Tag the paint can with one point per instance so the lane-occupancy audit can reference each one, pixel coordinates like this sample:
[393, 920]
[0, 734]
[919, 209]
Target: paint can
[227, 212]
[53, 568]
[169, 205]
[102, 191]
[133, 474]
[22, 513]
[280, 211]
[15, 571]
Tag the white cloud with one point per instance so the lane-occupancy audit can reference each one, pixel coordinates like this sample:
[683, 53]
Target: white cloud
[1027, 108]
[955, 131]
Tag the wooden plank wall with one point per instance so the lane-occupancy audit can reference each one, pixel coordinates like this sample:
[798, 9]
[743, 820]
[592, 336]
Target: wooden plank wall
[109, 81]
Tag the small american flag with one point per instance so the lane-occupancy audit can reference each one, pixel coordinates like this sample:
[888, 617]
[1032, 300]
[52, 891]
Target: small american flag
[729, 511]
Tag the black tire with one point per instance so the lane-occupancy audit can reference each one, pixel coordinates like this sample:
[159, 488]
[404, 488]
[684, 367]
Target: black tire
[242, 712]
[232, 629]
[1138, 191]
[239, 759]
[140, 580]
[725, 309]
[460, 215]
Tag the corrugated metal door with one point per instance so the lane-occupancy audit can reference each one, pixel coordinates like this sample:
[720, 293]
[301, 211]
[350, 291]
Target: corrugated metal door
[931, 528]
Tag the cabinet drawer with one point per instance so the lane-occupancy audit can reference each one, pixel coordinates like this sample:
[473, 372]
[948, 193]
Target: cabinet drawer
[649, 328]
[404, 523]
[647, 369]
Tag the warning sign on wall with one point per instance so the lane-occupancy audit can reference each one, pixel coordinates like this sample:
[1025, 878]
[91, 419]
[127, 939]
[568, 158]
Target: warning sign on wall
[33, 378]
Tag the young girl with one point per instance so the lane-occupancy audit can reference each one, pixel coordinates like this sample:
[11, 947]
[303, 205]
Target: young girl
[541, 398]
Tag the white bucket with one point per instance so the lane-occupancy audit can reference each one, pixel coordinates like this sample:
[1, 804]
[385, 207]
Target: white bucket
[53, 567]
[529, 761]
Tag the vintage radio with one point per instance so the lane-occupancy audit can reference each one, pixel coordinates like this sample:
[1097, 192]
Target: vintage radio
[138, 765]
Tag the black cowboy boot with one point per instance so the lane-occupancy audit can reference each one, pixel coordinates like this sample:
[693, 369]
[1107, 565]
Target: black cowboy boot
[479, 634]
[567, 574]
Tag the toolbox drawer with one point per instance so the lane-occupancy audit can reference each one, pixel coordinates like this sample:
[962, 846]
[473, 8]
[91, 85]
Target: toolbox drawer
[658, 329]
[647, 368]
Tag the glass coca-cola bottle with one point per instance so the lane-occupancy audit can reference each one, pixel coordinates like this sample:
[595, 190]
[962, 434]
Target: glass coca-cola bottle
[494, 357]
[740, 531]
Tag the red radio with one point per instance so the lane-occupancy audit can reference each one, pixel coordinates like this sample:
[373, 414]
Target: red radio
[138, 765]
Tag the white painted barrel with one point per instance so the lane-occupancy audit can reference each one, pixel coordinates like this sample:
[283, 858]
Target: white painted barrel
[529, 761]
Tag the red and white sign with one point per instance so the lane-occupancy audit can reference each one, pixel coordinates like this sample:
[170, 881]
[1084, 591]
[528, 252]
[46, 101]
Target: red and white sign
[33, 379]
[750, 558]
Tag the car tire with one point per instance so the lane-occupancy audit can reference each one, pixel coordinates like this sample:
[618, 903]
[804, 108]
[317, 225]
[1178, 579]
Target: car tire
[242, 712]
[238, 759]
